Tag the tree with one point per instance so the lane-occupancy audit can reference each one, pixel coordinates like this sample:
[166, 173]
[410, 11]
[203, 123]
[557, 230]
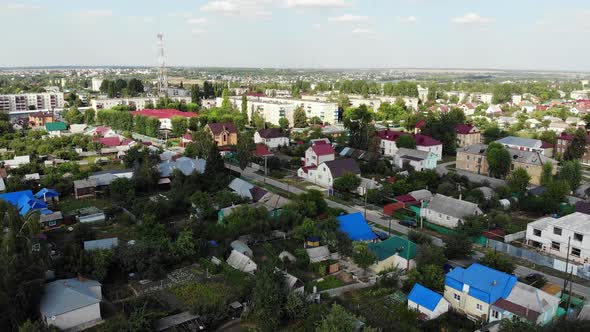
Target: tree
[430, 276]
[498, 261]
[73, 116]
[406, 141]
[89, 116]
[179, 125]
[362, 256]
[457, 246]
[185, 244]
[299, 118]
[571, 172]
[268, 298]
[546, 174]
[518, 180]
[499, 160]
[338, 319]
[441, 127]
[347, 183]
[493, 134]
[244, 150]
[577, 147]
[201, 145]
[122, 190]
[226, 105]
[258, 120]
[245, 107]
[135, 87]
[284, 123]
[295, 306]
[429, 254]
[358, 122]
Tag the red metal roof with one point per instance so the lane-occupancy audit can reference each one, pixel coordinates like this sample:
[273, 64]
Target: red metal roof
[164, 114]
[424, 140]
[101, 130]
[421, 123]
[187, 136]
[262, 151]
[517, 309]
[109, 141]
[323, 149]
[463, 128]
[390, 135]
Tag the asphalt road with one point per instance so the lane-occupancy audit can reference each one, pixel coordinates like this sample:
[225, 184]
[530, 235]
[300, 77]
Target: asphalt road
[378, 218]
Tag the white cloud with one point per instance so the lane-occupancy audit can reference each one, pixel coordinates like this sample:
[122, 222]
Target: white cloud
[349, 18]
[198, 31]
[145, 19]
[183, 14]
[317, 26]
[472, 19]
[18, 7]
[406, 19]
[316, 4]
[91, 14]
[245, 8]
[197, 20]
[361, 31]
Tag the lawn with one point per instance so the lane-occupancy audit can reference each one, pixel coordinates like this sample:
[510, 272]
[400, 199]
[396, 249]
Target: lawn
[327, 282]
[70, 205]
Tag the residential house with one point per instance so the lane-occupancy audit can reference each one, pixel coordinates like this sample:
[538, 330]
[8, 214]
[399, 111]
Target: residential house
[247, 190]
[553, 234]
[164, 116]
[395, 252]
[448, 211]
[84, 188]
[522, 143]
[423, 143]
[71, 304]
[468, 109]
[528, 107]
[473, 159]
[417, 159]
[532, 162]
[25, 202]
[421, 195]
[429, 144]
[467, 134]
[558, 127]
[355, 226]
[271, 137]
[51, 220]
[17, 161]
[241, 262]
[223, 134]
[184, 164]
[475, 289]
[40, 119]
[326, 173]
[564, 140]
[319, 152]
[507, 121]
[427, 302]
[526, 303]
[55, 129]
[533, 123]
[494, 110]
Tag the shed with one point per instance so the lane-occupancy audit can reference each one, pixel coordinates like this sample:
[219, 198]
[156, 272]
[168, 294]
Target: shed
[427, 302]
[242, 248]
[287, 255]
[241, 262]
[318, 254]
[390, 208]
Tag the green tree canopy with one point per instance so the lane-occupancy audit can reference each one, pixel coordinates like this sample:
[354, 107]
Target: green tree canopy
[518, 180]
[499, 160]
[406, 141]
[299, 118]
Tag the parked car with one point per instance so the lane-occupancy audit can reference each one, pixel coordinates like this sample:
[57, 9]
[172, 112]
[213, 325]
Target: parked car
[381, 235]
[408, 223]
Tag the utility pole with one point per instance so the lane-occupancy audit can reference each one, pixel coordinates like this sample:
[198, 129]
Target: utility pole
[567, 260]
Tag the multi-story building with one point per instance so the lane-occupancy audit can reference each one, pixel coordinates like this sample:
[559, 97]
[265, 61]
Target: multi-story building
[482, 97]
[30, 101]
[223, 134]
[467, 134]
[564, 140]
[39, 119]
[552, 235]
[138, 103]
[423, 143]
[165, 116]
[422, 93]
[522, 143]
[473, 159]
[96, 83]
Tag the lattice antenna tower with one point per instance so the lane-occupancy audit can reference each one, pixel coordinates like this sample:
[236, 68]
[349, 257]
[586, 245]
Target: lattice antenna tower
[162, 79]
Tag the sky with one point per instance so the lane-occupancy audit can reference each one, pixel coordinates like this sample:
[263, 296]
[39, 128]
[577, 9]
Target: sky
[491, 34]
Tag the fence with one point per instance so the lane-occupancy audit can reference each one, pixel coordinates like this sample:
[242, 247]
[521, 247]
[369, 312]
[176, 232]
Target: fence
[513, 237]
[539, 259]
[447, 231]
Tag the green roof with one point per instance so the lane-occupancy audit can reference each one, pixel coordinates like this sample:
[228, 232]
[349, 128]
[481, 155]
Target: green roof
[395, 244]
[56, 126]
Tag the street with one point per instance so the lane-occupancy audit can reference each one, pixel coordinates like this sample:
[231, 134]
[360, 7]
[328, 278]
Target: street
[377, 218]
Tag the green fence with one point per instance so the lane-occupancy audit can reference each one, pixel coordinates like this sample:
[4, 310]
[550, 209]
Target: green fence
[481, 240]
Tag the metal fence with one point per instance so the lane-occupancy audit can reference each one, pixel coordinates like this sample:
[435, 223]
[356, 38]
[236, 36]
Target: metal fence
[540, 259]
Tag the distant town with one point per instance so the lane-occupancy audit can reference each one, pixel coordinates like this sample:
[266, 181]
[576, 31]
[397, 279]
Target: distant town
[236, 199]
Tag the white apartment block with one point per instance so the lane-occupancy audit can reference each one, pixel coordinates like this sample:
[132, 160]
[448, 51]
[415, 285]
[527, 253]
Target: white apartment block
[482, 97]
[422, 93]
[96, 83]
[459, 94]
[22, 102]
[579, 94]
[137, 102]
[551, 235]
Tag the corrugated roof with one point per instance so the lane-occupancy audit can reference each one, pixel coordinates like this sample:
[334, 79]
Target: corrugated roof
[392, 246]
[452, 207]
[271, 133]
[218, 128]
[341, 166]
[521, 141]
[425, 297]
[485, 284]
[356, 227]
[56, 126]
[63, 296]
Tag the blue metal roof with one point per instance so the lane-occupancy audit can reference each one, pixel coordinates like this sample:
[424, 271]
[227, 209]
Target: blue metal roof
[424, 297]
[47, 193]
[356, 227]
[485, 284]
[24, 201]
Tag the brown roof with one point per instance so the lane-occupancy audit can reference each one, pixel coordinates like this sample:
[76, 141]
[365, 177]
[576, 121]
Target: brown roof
[552, 289]
[218, 128]
[341, 166]
[517, 309]
[271, 133]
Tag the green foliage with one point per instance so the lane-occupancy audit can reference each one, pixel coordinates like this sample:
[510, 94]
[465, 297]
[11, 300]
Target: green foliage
[295, 306]
[419, 238]
[499, 160]
[406, 141]
[268, 298]
[457, 246]
[209, 300]
[402, 88]
[577, 147]
[338, 319]
[546, 174]
[358, 122]
[503, 92]
[122, 190]
[493, 134]
[347, 183]
[430, 276]
[179, 125]
[518, 180]
[362, 256]
[299, 118]
[498, 261]
[429, 254]
[571, 173]
[440, 126]
[284, 123]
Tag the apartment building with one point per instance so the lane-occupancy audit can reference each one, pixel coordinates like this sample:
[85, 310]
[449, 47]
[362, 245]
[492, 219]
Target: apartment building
[553, 234]
[422, 93]
[467, 134]
[96, 83]
[164, 116]
[474, 159]
[14, 103]
[138, 103]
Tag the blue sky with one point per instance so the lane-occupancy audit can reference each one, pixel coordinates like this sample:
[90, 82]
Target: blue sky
[508, 34]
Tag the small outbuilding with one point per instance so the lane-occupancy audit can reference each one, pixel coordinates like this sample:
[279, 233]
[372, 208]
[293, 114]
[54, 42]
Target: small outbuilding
[427, 302]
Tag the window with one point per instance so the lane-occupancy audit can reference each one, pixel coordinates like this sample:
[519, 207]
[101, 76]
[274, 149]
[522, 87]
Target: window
[495, 314]
[457, 297]
[52, 223]
[578, 237]
[478, 306]
[556, 231]
[536, 232]
[576, 252]
[555, 245]
[440, 215]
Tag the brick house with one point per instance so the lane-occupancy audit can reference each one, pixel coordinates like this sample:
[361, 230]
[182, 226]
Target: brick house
[223, 134]
[467, 134]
